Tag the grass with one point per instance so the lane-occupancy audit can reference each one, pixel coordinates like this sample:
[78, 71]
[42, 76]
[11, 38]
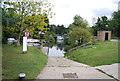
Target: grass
[15, 62]
[103, 53]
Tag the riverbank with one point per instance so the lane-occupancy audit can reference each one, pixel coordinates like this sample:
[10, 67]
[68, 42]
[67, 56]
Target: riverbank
[103, 53]
[15, 62]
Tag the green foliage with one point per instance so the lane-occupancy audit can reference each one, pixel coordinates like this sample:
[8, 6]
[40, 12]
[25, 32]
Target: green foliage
[59, 29]
[26, 16]
[50, 37]
[115, 24]
[9, 20]
[102, 24]
[36, 23]
[81, 35]
[78, 22]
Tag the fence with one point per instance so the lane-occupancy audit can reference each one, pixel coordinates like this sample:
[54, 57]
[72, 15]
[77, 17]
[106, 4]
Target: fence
[80, 46]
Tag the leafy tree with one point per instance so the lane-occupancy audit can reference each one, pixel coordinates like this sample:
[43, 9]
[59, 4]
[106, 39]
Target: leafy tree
[34, 24]
[26, 9]
[9, 20]
[79, 32]
[115, 24]
[102, 24]
[59, 29]
[50, 37]
[79, 36]
[53, 28]
[78, 22]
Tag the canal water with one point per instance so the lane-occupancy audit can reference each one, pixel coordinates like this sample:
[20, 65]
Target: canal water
[57, 50]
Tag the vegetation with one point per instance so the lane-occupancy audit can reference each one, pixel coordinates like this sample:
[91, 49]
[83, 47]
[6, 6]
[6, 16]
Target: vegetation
[78, 22]
[59, 29]
[79, 33]
[79, 36]
[50, 37]
[113, 24]
[15, 62]
[102, 24]
[103, 53]
[25, 16]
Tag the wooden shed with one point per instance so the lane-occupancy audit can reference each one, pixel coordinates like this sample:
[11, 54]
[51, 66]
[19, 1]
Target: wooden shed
[104, 35]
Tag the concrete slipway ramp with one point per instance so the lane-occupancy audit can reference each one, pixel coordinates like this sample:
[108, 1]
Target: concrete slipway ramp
[111, 70]
[62, 68]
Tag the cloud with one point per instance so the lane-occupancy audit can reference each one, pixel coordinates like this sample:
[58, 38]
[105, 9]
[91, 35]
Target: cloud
[102, 12]
[66, 9]
[115, 1]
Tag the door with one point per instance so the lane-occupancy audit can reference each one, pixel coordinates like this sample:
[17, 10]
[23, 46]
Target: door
[106, 36]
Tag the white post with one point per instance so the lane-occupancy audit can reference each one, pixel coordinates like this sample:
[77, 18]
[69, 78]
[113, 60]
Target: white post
[24, 44]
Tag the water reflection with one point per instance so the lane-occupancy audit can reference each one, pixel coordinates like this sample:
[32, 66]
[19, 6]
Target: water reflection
[56, 49]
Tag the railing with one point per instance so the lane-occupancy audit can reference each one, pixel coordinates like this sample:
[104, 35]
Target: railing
[80, 46]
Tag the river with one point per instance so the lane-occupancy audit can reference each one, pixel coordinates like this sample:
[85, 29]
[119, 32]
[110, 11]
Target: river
[57, 49]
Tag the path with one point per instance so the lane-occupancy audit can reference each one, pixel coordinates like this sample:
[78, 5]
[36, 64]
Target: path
[62, 68]
[110, 69]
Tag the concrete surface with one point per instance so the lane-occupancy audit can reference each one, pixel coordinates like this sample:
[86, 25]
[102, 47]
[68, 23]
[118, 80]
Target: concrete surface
[56, 66]
[110, 69]
[44, 50]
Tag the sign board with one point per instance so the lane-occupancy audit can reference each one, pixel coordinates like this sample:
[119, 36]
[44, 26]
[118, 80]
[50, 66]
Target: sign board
[24, 44]
[27, 34]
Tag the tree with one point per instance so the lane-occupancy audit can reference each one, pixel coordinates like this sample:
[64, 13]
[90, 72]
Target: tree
[50, 37]
[102, 24]
[115, 24]
[26, 9]
[35, 23]
[9, 20]
[79, 32]
[78, 22]
[79, 36]
[59, 29]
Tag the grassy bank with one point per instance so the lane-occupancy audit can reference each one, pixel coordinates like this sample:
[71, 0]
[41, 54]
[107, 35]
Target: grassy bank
[103, 53]
[15, 62]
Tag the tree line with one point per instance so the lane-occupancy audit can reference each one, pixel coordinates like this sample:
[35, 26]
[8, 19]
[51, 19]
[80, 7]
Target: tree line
[18, 17]
[105, 24]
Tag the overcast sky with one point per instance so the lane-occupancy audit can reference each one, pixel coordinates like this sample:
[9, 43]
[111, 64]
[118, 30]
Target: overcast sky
[65, 10]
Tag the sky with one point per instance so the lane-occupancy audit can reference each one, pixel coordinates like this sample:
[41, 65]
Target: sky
[90, 10]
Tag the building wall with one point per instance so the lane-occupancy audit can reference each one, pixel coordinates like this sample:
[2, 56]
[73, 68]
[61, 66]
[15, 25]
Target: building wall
[109, 35]
[101, 35]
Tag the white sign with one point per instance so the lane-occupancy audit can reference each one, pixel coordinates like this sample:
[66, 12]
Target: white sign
[24, 44]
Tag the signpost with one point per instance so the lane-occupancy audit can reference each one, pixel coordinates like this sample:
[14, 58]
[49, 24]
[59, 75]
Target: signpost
[24, 44]
[27, 34]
